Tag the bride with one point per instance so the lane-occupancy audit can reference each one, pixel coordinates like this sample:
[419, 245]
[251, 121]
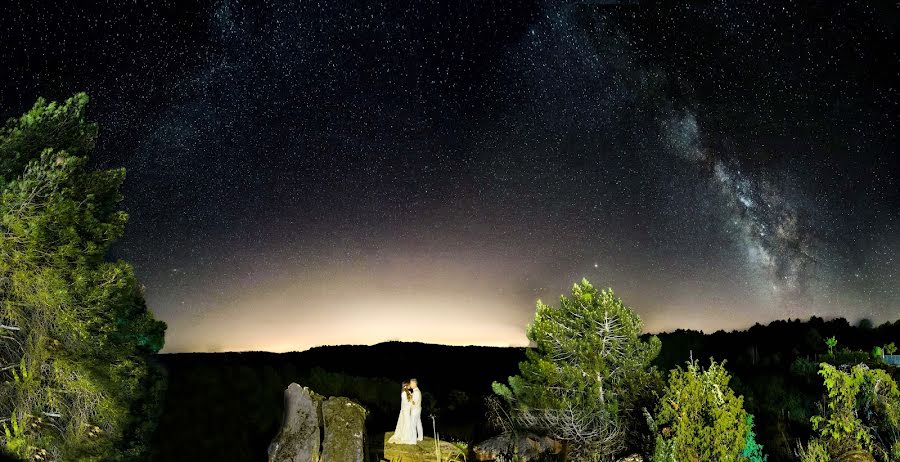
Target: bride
[405, 433]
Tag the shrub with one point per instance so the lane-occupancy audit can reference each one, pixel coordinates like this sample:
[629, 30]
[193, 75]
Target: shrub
[752, 450]
[862, 412]
[700, 418]
[815, 451]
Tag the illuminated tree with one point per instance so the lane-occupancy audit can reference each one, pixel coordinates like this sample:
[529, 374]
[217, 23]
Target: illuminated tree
[77, 384]
[862, 412]
[699, 418]
[831, 342]
[581, 382]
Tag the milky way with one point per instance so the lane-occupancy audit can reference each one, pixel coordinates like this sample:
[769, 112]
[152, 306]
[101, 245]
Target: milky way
[311, 173]
[777, 241]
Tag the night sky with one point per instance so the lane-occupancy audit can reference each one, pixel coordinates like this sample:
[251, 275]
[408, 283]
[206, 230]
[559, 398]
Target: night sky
[308, 173]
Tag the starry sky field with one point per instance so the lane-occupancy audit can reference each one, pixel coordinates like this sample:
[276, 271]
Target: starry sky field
[308, 173]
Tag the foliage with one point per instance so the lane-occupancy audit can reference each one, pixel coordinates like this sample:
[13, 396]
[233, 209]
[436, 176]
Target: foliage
[700, 418]
[462, 448]
[803, 367]
[753, 451]
[890, 348]
[877, 353]
[815, 451]
[831, 342]
[862, 412]
[78, 384]
[589, 366]
[847, 356]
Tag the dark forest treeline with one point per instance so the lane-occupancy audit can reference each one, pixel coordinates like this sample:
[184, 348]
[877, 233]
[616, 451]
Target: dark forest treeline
[227, 406]
[775, 367]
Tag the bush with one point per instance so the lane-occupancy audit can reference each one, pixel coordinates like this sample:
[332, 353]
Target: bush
[862, 412]
[752, 450]
[815, 451]
[700, 418]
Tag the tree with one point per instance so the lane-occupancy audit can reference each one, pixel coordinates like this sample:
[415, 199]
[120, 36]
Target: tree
[890, 348]
[831, 342]
[699, 418]
[78, 380]
[862, 412]
[581, 381]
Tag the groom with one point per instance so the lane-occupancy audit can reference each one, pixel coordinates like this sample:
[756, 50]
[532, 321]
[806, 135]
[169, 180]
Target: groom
[417, 408]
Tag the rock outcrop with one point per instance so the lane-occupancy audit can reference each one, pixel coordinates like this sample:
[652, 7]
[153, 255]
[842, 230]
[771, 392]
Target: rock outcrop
[345, 431]
[317, 430]
[299, 438]
[530, 448]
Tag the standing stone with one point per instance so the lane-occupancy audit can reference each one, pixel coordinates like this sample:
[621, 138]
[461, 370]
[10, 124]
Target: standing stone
[345, 431]
[299, 437]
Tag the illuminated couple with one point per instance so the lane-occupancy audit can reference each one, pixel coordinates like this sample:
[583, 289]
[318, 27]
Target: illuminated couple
[409, 424]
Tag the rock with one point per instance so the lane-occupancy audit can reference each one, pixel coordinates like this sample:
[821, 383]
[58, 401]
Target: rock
[345, 431]
[299, 437]
[632, 458]
[530, 448]
[423, 451]
[855, 456]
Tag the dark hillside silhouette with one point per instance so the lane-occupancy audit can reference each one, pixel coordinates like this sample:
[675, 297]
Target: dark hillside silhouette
[227, 406]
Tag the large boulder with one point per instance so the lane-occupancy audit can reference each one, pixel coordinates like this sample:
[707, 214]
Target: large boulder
[529, 447]
[345, 431]
[299, 437]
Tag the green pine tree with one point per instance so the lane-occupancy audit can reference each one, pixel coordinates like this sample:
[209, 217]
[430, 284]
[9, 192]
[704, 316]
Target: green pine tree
[77, 338]
[583, 380]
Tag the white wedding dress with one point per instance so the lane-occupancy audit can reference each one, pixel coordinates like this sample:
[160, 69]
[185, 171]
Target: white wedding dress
[405, 433]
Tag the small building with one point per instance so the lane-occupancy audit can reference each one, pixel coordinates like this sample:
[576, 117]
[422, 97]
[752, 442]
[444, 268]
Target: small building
[892, 359]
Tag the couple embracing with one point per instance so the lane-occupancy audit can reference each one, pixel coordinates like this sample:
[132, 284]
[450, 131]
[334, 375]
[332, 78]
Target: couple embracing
[409, 424]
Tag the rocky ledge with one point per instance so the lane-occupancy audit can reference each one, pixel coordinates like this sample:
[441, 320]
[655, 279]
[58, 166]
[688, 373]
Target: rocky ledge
[424, 451]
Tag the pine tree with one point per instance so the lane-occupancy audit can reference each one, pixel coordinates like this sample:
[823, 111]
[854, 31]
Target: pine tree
[580, 380]
[77, 337]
